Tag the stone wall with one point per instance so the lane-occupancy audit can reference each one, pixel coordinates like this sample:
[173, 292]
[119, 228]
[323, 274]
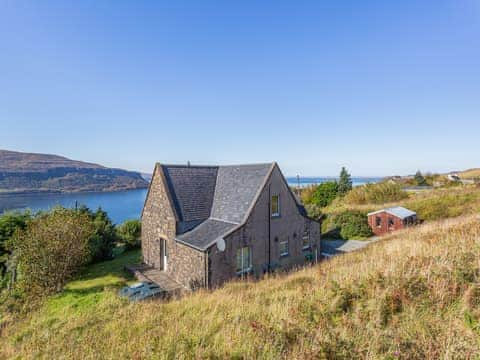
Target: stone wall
[184, 264]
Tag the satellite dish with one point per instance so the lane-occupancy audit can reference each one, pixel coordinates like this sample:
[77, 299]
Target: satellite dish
[221, 244]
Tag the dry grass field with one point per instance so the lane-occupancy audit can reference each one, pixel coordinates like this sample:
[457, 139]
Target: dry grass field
[413, 295]
[470, 174]
[433, 204]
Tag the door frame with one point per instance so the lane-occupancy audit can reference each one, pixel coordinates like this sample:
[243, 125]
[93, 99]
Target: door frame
[163, 255]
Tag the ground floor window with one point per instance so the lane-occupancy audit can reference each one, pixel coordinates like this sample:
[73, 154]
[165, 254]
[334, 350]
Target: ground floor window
[244, 260]
[391, 222]
[283, 247]
[378, 221]
[306, 239]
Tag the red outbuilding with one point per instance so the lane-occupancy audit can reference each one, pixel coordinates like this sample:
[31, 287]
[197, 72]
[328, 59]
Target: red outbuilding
[386, 220]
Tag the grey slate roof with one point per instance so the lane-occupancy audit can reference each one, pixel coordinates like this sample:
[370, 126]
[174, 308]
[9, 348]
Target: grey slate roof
[206, 233]
[192, 189]
[212, 200]
[398, 211]
[236, 189]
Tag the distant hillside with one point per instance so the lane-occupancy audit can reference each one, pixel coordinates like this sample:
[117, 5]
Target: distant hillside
[469, 174]
[25, 172]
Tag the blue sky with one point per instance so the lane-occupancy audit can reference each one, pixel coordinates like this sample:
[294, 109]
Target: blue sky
[382, 87]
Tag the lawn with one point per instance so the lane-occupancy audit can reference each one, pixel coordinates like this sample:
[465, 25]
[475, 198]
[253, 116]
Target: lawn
[94, 284]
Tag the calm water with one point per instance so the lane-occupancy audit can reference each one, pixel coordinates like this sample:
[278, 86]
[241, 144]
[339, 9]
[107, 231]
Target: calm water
[120, 205]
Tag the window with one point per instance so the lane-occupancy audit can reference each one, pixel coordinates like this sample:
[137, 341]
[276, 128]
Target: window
[378, 221]
[244, 260]
[283, 247]
[306, 239]
[275, 205]
[391, 222]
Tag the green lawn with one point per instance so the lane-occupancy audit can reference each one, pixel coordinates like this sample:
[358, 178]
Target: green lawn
[89, 289]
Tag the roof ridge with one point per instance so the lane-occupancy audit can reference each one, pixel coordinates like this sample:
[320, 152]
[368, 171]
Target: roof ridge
[214, 166]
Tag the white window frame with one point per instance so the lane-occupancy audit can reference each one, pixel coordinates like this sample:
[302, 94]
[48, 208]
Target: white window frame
[275, 214]
[306, 236]
[283, 254]
[244, 269]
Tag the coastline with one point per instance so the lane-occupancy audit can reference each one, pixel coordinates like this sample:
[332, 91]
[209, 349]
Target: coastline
[66, 192]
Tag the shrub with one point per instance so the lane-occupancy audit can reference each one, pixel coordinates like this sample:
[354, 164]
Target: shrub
[349, 224]
[9, 223]
[103, 240]
[314, 211]
[129, 233]
[325, 193]
[51, 249]
[306, 194]
[376, 194]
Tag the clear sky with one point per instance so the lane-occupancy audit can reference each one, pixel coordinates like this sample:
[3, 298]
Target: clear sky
[382, 87]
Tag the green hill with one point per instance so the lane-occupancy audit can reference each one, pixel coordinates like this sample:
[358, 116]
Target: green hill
[413, 295]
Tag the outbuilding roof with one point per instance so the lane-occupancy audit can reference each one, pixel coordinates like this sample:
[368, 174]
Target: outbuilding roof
[397, 211]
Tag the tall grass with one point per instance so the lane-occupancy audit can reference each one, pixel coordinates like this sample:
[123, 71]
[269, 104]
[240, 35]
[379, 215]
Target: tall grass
[375, 194]
[413, 295]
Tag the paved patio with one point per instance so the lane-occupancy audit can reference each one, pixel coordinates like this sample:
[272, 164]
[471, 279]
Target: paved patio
[336, 247]
[148, 274]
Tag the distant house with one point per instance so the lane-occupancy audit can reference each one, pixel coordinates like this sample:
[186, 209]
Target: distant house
[204, 225]
[453, 177]
[386, 220]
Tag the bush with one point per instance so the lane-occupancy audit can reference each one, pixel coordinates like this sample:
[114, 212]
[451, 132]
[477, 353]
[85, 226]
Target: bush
[314, 211]
[349, 224]
[325, 193]
[129, 233]
[376, 194]
[306, 194]
[51, 249]
[9, 223]
[103, 240]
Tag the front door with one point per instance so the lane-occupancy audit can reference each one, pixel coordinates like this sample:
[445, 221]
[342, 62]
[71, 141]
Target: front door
[163, 254]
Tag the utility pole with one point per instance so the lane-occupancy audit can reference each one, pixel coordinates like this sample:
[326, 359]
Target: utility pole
[298, 185]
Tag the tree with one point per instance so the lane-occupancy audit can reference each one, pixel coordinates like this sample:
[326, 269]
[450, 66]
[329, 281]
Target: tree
[51, 249]
[129, 233]
[345, 182]
[325, 193]
[420, 179]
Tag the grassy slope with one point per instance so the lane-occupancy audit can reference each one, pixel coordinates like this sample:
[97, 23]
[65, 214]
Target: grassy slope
[430, 205]
[412, 295]
[469, 174]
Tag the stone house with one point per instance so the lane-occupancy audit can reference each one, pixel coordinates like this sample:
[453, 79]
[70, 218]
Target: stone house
[204, 225]
[387, 220]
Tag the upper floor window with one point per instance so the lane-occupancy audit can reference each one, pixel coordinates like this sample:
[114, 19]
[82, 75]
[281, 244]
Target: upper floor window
[244, 260]
[378, 221]
[275, 205]
[283, 247]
